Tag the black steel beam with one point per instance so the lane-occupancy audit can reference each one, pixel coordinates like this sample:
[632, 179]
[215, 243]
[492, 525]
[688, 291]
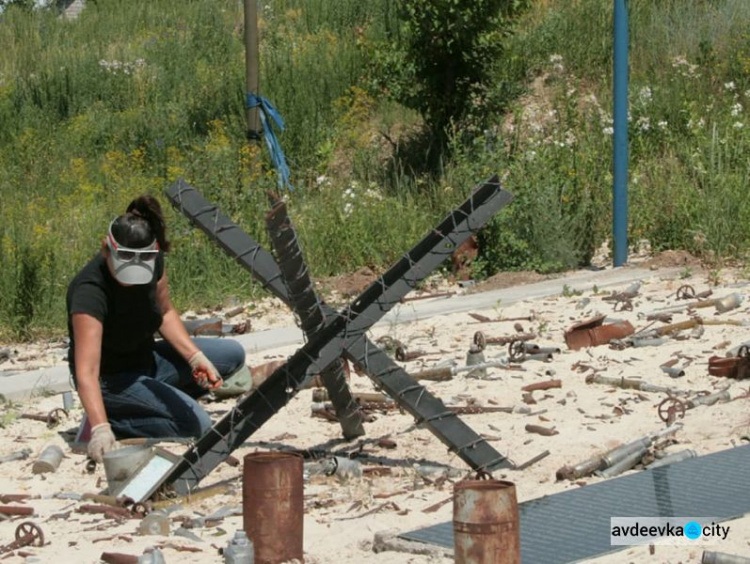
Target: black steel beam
[305, 303]
[345, 333]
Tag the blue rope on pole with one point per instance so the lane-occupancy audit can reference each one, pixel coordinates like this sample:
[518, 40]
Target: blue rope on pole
[274, 147]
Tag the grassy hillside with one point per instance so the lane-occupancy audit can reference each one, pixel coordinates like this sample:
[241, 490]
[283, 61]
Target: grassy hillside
[137, 93]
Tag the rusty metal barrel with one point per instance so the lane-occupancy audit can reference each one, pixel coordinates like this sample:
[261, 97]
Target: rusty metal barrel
[273, 505]
[485, 522]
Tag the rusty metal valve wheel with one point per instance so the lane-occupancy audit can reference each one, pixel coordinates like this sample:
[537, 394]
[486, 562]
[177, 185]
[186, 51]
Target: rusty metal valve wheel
[516, 351]
[28, 528]
[671, 408]
[55, 416]
[480, 340]
[686, 292]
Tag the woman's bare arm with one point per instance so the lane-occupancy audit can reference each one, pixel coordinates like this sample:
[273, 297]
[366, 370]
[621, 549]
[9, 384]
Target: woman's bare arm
[87, 333]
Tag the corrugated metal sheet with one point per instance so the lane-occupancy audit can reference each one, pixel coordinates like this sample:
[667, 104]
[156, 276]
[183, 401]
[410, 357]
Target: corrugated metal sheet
[575, 525]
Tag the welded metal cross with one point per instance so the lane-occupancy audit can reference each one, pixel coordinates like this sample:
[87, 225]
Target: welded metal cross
[343, 334]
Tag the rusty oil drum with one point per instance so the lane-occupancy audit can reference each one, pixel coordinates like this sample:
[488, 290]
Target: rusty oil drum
[273, 505]
[485, 522]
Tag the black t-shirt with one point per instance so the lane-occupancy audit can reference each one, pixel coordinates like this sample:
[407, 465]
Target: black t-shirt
[129, 314]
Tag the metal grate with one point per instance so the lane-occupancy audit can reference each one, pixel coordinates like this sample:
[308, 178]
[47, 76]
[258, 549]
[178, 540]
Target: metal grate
[575, 525]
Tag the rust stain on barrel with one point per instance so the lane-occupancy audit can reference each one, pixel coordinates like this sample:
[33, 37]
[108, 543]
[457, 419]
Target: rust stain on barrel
[273, 506]
[485, 523]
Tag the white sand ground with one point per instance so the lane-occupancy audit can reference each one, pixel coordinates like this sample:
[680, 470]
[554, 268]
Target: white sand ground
[342, 517]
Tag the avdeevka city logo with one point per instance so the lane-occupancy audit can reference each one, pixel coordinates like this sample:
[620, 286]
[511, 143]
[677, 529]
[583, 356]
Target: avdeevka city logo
[693, 530]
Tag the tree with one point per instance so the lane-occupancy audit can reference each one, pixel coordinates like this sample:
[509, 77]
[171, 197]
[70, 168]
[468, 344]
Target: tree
[441, 58]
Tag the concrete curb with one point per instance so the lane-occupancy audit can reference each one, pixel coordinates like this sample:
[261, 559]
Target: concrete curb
[25, 385]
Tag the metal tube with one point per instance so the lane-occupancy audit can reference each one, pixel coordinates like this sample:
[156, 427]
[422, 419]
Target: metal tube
[620, 114]
[710, 399]
[272, 503]
[674, 457]
[673, 371]
[624, 464]
[710, 557]
[485, 523]
[48, 461]
[251, 66]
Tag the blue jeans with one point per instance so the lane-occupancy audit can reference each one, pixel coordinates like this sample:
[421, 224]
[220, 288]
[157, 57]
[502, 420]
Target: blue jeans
[161, 402]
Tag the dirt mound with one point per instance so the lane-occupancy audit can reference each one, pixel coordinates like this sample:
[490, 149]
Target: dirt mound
[347, 285]
[672, 259]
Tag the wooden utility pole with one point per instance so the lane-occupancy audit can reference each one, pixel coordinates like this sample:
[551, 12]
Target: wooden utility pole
[251, 66]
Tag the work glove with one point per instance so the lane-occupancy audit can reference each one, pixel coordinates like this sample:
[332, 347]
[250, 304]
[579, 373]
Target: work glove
[102, 441]
[204, 372]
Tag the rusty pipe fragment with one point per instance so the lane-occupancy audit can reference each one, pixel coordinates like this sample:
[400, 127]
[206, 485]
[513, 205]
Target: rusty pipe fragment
[118, 558]
[16, 510]
[481, 340]
[540, 430]
[108, 510]
[427, 296]
[580, 470]
[593, 332]
[52, 418]
[547, 385]
[484, 319]
[404, 355]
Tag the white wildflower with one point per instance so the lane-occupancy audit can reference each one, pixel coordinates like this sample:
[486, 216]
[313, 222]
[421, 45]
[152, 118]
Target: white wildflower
[608, 130]
[643, 123]
[736, 109]
[644, 95]
[662, 124]
[555, 59]
[321, 180]
[738, 125]
[730, 85]
[348, 209]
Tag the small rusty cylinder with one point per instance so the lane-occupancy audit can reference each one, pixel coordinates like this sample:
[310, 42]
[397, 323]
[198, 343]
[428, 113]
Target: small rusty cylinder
[485, 523]
[404, 355]
[539, 430]
[118, 558]
[547, 385]
[16, 510]
[273, 505]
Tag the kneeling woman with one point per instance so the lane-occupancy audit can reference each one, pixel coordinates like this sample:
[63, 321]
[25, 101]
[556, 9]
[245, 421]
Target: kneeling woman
[130, 384]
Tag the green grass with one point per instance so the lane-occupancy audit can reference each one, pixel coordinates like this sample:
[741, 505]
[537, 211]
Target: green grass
[137, 93]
